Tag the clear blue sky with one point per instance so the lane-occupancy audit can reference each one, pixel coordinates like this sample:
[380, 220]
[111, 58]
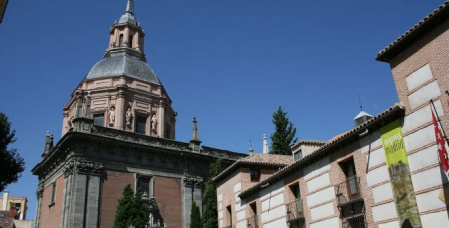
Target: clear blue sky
[229, 63]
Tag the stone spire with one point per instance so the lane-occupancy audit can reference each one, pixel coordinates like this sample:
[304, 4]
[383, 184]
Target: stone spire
[127, 35]
[195, 142]
[128, 16]
[48, 144]
[130, 7]
[265, 144]
[251, 150]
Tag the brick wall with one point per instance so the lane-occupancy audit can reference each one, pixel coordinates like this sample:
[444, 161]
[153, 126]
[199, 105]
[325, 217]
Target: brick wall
[433, 48]
[167, 192]
[51, 216]
[112, 190]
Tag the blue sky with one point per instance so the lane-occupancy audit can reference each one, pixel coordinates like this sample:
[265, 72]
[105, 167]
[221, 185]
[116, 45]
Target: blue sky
[229, 63]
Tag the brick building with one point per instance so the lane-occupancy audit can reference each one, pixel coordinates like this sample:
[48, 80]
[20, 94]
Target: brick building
[388, 171]
[118, 129]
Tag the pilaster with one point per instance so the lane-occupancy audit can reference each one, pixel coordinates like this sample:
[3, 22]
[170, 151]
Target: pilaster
[39, 195]
[161, 119]
[120, 107]
[192, 190]
[82, 193]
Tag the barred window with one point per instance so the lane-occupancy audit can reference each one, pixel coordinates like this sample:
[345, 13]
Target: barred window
[255, 175]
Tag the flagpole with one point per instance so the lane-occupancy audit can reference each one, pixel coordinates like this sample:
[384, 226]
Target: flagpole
[439, 121]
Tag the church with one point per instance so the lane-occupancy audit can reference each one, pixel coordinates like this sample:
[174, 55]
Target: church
[119, 128]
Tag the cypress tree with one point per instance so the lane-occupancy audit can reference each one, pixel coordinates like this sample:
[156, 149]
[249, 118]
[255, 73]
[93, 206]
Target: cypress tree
[11, 163]
[195, 217]
[131, 210]
[210, 214]
[284, 134]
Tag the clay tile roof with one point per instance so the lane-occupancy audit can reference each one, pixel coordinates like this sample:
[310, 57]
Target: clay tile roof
[5, 220]
[259, 159]
[312, 142]
[337, 136]
[414, 33]
[374, 123]
[267, 159]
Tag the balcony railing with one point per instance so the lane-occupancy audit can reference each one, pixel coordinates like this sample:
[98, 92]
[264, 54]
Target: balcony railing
[294, 210]
[357, 221]
[348, 191]
[252, 222]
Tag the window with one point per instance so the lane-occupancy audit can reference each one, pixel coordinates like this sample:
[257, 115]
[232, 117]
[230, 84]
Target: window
[130, 41]
[17, 211]
[167, 130]
[141, 122]
[252, 222]
[351, 178]
[295, 212]
[99, 119]
[53, 194]
[255, 175]
[298, 155]
[145, 183]
[120, 40]
[229, 215]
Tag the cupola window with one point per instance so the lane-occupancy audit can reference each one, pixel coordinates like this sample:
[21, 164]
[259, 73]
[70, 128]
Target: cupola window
[99, 119]
[141, 122]
[130, 41]
[120, 40]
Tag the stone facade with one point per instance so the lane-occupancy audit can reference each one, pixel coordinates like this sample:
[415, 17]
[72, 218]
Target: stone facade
[119, 129]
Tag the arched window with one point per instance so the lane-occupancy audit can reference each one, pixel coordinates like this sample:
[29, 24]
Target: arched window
[130, 41]
[120, 40]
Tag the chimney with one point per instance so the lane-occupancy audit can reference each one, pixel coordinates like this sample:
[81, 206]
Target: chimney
[265, 145]
[5, 200]
[361, 118]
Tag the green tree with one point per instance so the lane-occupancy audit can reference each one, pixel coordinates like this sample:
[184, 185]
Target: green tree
[131, 210]
[210, 214]
[11, 164]
[195, 217]
[284, 134]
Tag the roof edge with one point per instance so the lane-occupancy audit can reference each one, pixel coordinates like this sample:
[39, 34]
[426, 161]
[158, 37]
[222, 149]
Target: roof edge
[376, 122]
[416, 32]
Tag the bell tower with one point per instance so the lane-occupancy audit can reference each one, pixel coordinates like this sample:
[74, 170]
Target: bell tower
[127, 33]
[125, 93]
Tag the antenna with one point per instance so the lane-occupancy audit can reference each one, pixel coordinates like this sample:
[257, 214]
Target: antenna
[360, 102]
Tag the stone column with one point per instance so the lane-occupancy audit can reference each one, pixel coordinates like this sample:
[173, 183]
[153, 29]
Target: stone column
[120, 108]
[39, 194]
[192, 190]
[161, 120]
[93, 201]
[82, 194]
[126, 37]
[66, 205]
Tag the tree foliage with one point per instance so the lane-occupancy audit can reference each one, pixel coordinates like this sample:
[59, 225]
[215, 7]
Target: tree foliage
[11, 164]
[131, 210]
[195, 217]
[210, 214]
[284, 134]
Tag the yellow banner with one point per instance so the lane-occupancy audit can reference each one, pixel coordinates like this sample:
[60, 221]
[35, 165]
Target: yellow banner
[393, 143]
[401, 181]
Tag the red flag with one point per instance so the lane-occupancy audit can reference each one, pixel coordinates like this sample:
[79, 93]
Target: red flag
[440, 144]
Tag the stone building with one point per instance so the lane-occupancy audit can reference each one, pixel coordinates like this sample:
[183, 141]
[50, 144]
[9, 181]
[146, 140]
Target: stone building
[118, 129]
[388, 171]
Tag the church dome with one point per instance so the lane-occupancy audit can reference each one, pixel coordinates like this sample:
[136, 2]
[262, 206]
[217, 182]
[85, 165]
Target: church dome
[123, 63]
